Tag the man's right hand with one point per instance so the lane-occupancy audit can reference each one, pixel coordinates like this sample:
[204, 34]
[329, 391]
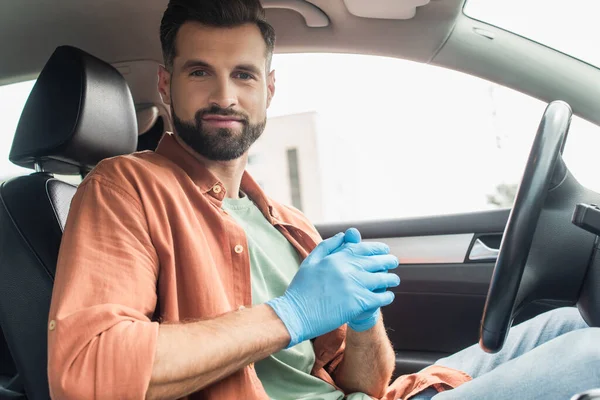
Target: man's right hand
[333, 287]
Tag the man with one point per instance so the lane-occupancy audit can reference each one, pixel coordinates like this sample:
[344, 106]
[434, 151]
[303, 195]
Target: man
[178, 276]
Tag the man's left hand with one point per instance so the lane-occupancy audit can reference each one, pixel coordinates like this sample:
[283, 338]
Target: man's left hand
[368, 319]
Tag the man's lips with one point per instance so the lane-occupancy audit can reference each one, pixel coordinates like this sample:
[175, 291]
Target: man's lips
[222, 121]
[221, 118]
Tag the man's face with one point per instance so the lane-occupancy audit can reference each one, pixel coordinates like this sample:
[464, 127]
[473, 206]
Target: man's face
[218, 89]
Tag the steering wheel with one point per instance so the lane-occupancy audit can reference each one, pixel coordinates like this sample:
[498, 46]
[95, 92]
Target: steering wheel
[498, 313]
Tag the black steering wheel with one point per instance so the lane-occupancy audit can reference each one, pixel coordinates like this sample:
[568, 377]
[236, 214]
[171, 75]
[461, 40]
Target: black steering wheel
[518, 235]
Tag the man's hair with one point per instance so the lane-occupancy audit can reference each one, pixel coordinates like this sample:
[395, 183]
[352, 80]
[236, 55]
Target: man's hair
[215, 13]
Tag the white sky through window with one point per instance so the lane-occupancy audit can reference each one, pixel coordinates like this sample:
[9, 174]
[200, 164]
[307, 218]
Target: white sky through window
[428, 140]
[569, 26]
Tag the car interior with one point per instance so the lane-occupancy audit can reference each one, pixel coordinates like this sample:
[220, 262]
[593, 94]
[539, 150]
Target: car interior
[466, 278]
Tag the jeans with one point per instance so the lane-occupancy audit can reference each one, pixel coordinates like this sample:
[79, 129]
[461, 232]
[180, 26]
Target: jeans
[552, 356]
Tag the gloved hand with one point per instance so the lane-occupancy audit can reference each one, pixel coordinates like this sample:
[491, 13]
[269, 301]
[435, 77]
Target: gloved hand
[367, 319]
[332, 288]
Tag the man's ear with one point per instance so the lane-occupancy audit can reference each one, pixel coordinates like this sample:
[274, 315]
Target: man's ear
[270, 87]
[164, 84]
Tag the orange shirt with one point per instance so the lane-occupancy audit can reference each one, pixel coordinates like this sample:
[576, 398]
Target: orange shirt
[147, 231]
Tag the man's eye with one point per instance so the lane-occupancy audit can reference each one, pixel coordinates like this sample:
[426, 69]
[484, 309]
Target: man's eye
[244, 76]
[198, 73]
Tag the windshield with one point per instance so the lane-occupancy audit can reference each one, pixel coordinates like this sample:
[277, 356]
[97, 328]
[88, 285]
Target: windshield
[569, 26]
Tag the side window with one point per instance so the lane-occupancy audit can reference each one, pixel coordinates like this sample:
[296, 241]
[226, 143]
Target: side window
[12, 101]
[352, 138]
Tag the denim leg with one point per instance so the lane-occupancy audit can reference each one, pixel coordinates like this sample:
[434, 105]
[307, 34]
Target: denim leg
[555, 370]
[521, 339]
[427, 394]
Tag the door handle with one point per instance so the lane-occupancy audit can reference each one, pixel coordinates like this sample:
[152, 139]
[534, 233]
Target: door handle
[482, 252]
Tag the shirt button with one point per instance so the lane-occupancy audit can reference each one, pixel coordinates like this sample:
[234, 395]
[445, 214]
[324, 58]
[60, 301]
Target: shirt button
[217, 189]
[241, 308]
[52, 325]
[239, 249]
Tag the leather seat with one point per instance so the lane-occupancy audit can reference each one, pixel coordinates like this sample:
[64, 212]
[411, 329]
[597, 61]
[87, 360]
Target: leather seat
[151, 128]
[79, 112]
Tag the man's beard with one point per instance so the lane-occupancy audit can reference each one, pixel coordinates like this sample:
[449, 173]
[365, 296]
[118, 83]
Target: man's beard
[223, 144]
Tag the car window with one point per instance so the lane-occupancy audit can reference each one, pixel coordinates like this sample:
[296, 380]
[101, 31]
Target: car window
[355, 137]
[12, 101]
[567, 26]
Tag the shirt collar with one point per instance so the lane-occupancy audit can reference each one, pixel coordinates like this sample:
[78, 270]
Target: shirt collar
[171, 148]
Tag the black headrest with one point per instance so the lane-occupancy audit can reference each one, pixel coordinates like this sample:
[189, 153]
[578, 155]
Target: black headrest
[79, 112]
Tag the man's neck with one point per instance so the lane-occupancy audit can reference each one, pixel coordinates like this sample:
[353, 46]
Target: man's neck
[228, 172]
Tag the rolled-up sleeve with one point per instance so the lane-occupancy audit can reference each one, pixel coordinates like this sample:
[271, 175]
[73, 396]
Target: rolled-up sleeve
[101, 340]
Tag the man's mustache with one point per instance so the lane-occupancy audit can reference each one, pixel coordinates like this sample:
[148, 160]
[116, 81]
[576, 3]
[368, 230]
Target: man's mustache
[226, 112]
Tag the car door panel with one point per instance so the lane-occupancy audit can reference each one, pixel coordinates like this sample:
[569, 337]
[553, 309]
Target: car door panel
[439, 304]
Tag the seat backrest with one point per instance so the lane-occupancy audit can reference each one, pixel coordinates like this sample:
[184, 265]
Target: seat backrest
[29, 240]
[79, 112]
[151, 128]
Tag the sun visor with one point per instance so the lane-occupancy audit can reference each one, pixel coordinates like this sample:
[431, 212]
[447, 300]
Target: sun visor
[313, 15]
[385, 9]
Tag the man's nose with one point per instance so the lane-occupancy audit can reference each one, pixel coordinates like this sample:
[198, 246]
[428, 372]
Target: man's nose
[224, 94]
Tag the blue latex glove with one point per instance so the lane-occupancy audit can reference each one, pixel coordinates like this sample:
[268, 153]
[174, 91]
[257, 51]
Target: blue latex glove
[368, 319]
[333, 287]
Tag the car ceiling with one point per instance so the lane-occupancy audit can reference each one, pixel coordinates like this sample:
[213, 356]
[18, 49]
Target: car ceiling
[126, 31]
